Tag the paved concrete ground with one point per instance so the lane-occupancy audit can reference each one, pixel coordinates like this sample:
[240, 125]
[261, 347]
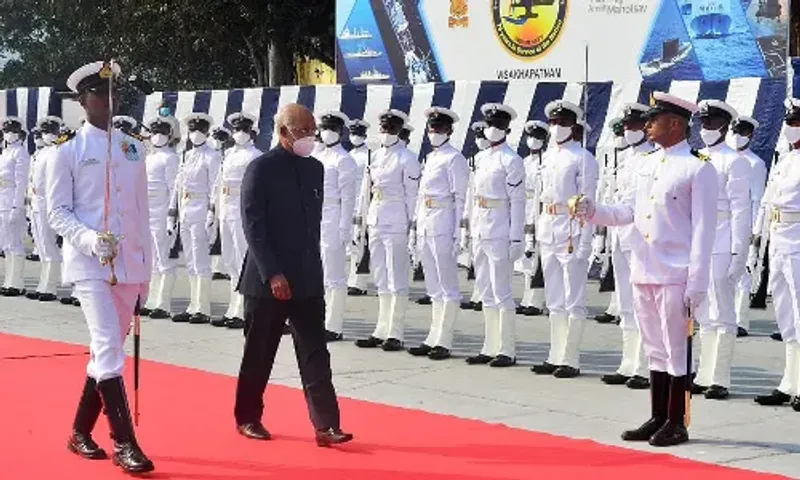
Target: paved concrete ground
[736, 432]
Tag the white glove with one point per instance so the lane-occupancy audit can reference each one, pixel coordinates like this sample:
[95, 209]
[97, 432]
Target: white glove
[598, 245]
[464, 239]
[456, 248]
[103, 247]
[736, 267]
[585, 208]
[515, 250]
[530, 245]
[210, 220]
[172, 225]
[693, 300]
[584, 251]
[752, 258]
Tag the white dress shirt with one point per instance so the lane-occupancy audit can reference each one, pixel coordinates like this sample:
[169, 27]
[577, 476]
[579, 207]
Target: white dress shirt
[15, 164]
[38, 183]
[194, 184]
[782, 196]
[393, 181]
[229, 181]
[442, 192]
[339, 194]
[162, 169]
[733, 204]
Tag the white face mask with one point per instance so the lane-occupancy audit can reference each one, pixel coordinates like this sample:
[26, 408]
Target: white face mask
[737, 142]
[243, 138]
[10, 137]
[438, 139]
[357, 141]
[535, 144]
[214, 143]
[620, 142]
[792, 134]
[48, 138]
[560, 133]
[304, 146]
[710, 137]
[482, 143]
[197, 137]
[494, 134]
[38, 142]
[159, 140]
[329, 137]
[388, 139]
[633, 137]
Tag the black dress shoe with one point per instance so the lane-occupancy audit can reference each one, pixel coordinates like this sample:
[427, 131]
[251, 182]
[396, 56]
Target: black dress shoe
[565, 371]
[420, 351]
[467, 305]
[392, 345]
[717, 392]
[235, 323]
[66, 300]
[605, 318]
[32, 295]
[184, 317]
[503, 361]
[796, 404]
[741, 332]
[478, 307]
[659, 399]
[532, 312]
[698, 389]
[14, 292]
[544, 369]
[159, 314]
[774, 399]
[127, 453]
[32, 258]
[219, 322]
[615, 379]
[219, 276]
[255, 431]
[199, 318]
[333, 336]
[370, 342]
[521, 310]
[777, 337]
[671, 434]
[356, 292]
[479, 359]
[638, 383]
[84, 446]
[645, 431]
[426, 300]
[144, 312]
[47, 297]
[674, 431]
[439, 353]
[76, 302]
[332, 436]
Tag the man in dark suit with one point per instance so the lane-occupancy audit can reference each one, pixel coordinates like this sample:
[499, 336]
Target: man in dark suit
[282, 277]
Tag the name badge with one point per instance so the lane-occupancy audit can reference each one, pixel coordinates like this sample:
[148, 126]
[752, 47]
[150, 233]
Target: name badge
[89, 161]
[130, 151]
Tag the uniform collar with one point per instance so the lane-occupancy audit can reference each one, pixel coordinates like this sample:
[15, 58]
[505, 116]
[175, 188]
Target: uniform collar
[568, 145]
[90, 129]
[684, 145]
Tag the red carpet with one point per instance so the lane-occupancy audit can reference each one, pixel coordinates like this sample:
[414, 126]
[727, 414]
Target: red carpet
[187, 428]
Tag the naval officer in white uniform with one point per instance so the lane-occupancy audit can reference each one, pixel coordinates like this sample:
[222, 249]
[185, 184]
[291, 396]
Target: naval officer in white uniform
[15, 164]
[359, 256]
[101, 222]
[674, 209]
[434, 237]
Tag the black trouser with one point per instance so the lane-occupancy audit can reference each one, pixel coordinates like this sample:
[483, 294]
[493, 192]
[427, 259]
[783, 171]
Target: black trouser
[266, 318]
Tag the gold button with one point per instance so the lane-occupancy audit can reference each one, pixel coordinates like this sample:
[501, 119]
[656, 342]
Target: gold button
[649, 216]
[651, 197]
[647, 236]
[663, 160]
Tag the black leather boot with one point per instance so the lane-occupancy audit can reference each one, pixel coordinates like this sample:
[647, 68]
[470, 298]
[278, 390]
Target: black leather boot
[659, 399]
[127, 453]
[89, 407]
[674, 432]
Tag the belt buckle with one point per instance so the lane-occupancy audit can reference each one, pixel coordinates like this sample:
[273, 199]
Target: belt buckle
[428, 202]
[776, 215]
[226, 190]
[186, 195]
[550, 209]
[483, 202]
[378, 195]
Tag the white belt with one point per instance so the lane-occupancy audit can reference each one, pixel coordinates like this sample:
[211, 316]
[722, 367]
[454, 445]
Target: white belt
[484, 202]
[157, 193]
[431, 202]
[380, 197]
[723, 215]
[194, 195]
[555, 209]
[530, 195]
[331, 200]
[784, 216]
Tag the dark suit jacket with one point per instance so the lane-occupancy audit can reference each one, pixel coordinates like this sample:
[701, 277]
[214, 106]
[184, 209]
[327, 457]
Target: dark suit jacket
[281, 204]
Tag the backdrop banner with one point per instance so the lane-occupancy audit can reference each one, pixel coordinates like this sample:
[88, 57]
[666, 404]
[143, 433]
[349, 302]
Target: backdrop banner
[418, 41]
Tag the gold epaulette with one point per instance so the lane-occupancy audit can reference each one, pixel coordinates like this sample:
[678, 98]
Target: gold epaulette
[134, 135]
[702, 156]
[65, 137]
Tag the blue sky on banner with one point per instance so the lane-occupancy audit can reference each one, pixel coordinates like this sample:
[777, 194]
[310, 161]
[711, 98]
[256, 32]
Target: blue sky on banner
[759, 98]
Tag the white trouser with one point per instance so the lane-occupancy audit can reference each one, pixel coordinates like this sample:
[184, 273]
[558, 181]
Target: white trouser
[493, 272]
[479, 287]
[334, 266]
[354, 279]
[217, 265]
[440, 267]
[614, 307]
[784, 281]
[335, 300]
[565, 278]
[391, 316]
[195, 247]
[743, 300]
[443, 320]
[717, 311]
[633, 361]
[108, 311]
[44, 237]
[161, 244]
[12, 234]
[234, 248]
[389, 261]
[500, 336]
[664, 325]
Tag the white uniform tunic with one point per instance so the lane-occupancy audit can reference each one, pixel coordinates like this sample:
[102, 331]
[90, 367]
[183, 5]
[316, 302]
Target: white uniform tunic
[76, 200]
[162, 169]
[781, 209]
[192, 195]
[732, 236]
[497, 219]
[673, 207]
[336, 229]
[234, 245]
[361, 156]
[43, 234]
[15, 165]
